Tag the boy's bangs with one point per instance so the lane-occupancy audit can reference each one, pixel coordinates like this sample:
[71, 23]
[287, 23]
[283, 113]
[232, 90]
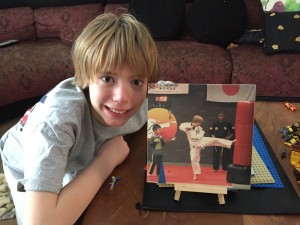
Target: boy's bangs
[117, 55]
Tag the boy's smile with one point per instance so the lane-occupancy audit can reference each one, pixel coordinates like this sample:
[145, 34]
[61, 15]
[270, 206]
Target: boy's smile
[116, 114]
[117, 111]
[116, 96]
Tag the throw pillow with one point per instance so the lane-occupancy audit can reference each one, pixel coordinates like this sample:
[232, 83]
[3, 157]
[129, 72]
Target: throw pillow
[282, 33]
[251, 37]
[12, 4]
[255, 14]
[218, 22]
[164, 18]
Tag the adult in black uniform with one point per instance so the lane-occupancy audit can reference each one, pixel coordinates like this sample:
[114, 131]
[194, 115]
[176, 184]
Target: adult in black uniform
[222, 129]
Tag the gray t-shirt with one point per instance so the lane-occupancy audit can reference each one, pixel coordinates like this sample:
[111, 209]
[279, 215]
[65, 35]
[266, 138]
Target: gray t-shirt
[59, 136]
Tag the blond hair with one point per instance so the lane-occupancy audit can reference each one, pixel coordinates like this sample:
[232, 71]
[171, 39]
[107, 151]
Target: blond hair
[197, 119]
[110, 42]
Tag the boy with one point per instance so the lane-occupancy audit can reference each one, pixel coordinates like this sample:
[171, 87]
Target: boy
[156, 142]
[57, 158]
[194, 134]
[197, 141]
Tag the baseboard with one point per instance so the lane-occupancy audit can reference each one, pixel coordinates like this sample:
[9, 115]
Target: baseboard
[277, 99]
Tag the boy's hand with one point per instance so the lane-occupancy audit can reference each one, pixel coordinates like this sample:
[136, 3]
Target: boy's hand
[115, 150]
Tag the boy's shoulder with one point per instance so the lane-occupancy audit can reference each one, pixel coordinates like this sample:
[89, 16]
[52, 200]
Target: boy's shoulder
[185, 124]
[65, 102]
[66, 88]
[65, 94]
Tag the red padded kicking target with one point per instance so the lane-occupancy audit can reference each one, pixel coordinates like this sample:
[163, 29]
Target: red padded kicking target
[244, 134]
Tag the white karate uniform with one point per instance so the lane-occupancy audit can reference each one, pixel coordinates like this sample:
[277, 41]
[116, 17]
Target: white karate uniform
[197, 141]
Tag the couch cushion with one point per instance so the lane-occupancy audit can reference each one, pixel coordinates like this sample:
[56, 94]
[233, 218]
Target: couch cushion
[17, 23]
[69, 34]
[117, 1]
[217, 21]
[193, 62]
[32, 68]
[164, 18]
[117, 8]
[50, 21]
[55, 3]
[274, 75]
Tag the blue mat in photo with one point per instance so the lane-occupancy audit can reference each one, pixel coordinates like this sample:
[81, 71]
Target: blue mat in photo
[263, 152]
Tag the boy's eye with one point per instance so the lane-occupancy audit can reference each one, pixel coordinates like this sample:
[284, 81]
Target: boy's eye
[107, 79]
[137, 82]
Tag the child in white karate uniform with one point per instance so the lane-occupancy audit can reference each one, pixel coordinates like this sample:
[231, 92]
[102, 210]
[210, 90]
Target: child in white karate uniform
[197, 141]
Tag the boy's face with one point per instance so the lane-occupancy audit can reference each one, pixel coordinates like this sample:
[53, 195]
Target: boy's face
[116, 96]
[156, 132]
[196, 124]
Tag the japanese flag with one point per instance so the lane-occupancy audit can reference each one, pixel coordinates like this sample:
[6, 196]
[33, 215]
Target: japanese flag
[231, 92]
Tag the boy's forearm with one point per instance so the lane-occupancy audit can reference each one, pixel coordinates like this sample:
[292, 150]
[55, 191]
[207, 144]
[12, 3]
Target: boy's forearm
[79, 193]
[73, 198]
[82, 190]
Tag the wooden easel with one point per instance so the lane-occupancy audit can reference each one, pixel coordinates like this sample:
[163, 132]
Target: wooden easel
[221, 191]
[179, 187]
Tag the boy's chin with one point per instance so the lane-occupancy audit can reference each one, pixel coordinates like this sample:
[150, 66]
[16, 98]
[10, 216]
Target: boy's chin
[115, 122]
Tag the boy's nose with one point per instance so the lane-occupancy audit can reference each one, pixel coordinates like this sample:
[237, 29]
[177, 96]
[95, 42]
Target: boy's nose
[121, 94]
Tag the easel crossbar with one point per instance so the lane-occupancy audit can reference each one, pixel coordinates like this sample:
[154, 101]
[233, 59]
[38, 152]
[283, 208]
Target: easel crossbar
[201, 188]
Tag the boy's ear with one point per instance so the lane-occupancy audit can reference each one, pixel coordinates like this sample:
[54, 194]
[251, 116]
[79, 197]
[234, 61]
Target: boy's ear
[147, 89]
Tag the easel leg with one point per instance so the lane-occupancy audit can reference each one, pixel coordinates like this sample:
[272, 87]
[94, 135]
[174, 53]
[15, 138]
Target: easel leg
[177, 195]
[221, 199]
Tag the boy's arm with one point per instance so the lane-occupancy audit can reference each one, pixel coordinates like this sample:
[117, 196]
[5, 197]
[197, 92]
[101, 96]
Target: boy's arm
[185, 126]
[66, 207]
[230, 132]
[152, 142]
[162, 141]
